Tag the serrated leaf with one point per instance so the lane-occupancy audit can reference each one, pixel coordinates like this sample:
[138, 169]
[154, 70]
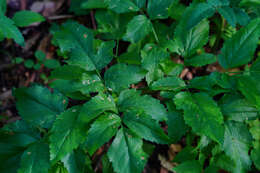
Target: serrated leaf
[12, 146]
[202, 114]
[3, 7]
[92, 4]
[39, 106]
[176, 124]
[249, 87]
[255, 155]
[67, 72]
[77, 162]
[121, 6]
[168, 84]
[112, 25]
[126, 153]
[132, 100]
[120, 76]
[229, 14]
[101, 131]
[188, 41]
[140, 3]
[158, 9]
[192, 166]
[236, 145]
[9, 30]
[26, 18]
[138, 28]
[96, 106]
[66, 134]
[193, 15]
[143, 126]
[200, 60]
[151, 62]
[236, 108]
[35, 159]
[239, 50]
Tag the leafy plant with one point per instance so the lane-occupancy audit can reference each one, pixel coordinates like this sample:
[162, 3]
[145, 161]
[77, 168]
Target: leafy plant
[128, 98]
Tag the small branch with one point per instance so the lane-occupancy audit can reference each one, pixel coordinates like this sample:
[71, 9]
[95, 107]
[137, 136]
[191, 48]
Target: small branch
[93, 20]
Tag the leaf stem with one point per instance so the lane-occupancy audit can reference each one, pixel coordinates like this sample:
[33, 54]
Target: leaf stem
[155, 34]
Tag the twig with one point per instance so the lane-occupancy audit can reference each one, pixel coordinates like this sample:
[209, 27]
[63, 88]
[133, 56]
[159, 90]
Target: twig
[93, 20]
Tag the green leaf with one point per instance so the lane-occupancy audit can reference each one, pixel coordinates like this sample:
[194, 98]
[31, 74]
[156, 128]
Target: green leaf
[151, 62]
[192, 166]
[229, 14]
[236, 145]
[77, 161]
[96, 106]
[35, 159]
[143, 126]
[138, 28]
[255, 153]
[126, 153]
[40, 55]
[51, 63]
[158, 9]
[3, 7]
[120, 76]
[200, 60]
[66, 134]
[176, 124]
[9, 30]
[26, 18]
[38, 105]
[193, 15]
[92, 4]
[249, 87]
[104, 54]
[240, 48]
[188, 41]
[112, 25]
[106, 165]
[202, 114]
[29, 63]
[168, 84]
[67, 72]
[132, 100]
[140, 3]
[101, 131]
[121, 6]
[236, 108]
[12, 146]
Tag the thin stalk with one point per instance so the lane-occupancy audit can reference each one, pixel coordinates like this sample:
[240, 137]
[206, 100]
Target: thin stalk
[155, 34]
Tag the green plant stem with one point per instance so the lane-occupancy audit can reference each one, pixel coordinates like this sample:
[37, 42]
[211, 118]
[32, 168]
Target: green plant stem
[155, 34]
